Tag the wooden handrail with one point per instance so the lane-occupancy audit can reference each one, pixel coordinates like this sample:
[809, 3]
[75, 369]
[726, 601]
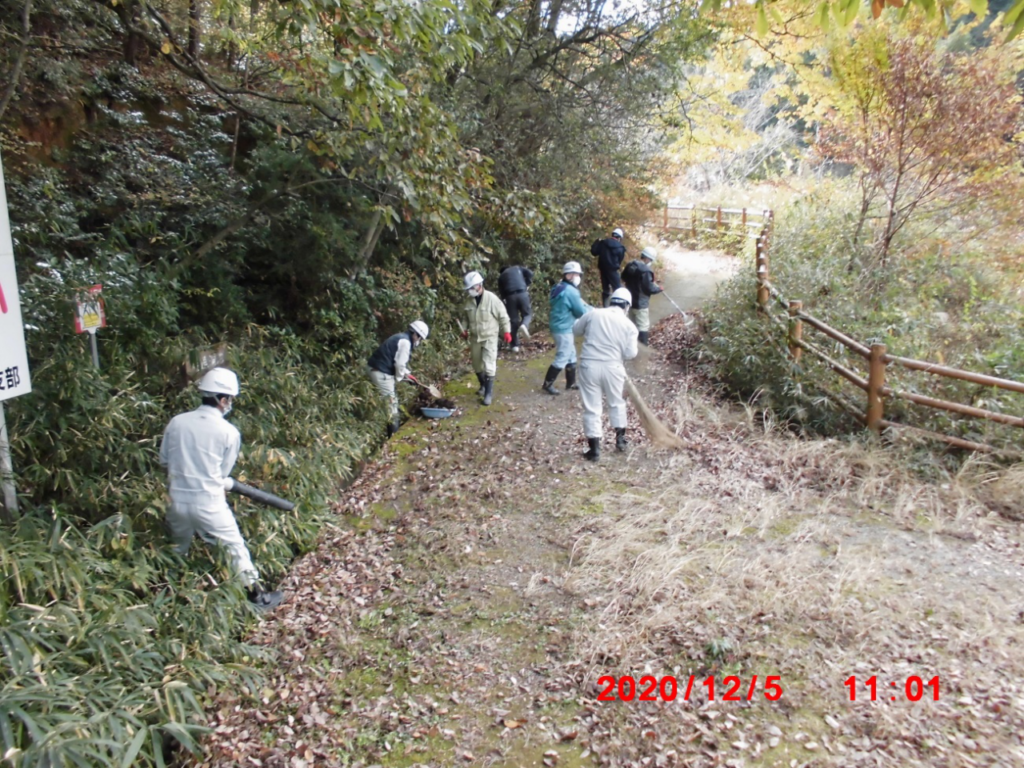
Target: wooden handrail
[959, 442]
[956, 373]
[877, 357]
[945, 405]
[831, 332]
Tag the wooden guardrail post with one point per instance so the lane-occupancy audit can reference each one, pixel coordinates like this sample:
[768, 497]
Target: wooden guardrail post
[744, 218]
[718, 218]
[693, 223]
[763, 294]
[876, 383]
[796, 330]
[665, 224]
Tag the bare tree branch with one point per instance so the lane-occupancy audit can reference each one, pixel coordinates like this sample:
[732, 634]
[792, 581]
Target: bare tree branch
[15, 74]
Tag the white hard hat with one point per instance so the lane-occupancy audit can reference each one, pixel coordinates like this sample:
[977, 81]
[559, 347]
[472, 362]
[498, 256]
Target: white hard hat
[618, 232]
[572, 266]
[472, 279]
[419, 328]
[622, 294]
[219, 381]
[649, 253]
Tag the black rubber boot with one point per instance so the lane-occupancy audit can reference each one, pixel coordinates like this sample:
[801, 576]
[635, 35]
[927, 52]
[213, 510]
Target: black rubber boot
[595, 449]
[570, 376]
[262, 600]
[396, 422]
[483, 384]
[621, 443]
[645, 338]
[549, 380]
[391, 429]
[488, 390]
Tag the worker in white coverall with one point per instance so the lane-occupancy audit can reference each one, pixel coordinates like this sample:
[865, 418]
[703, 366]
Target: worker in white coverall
[487, 317]
[199, 450]
[390, 364]
[609, 338]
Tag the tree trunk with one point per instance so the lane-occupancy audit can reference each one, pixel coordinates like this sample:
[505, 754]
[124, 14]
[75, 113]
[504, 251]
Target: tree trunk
[370, 241]
[15, 74]
[133, 45]
[194, 20]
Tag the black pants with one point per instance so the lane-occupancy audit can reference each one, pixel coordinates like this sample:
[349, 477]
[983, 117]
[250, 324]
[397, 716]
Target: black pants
[519, 312]
[609, 282]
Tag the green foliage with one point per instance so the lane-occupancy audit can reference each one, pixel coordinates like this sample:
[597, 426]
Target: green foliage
[946, 303]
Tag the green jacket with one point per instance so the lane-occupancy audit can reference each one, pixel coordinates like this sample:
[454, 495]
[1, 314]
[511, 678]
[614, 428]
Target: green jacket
[487, 319]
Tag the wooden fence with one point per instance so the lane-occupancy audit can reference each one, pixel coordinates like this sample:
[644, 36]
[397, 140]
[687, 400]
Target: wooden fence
[694, 219]
[792, 320]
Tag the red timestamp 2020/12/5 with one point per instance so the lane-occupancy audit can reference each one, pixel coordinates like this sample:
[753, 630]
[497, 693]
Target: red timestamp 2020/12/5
[667, 688]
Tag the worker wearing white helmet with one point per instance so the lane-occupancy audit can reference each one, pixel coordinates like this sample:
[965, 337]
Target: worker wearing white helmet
[639, 279]
[390, 364]
[608, 339]
[486, 317]
[610, 254]
[199, 450]
[566, 307]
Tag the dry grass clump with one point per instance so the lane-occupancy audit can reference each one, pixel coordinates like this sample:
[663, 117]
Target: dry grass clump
[753, 553]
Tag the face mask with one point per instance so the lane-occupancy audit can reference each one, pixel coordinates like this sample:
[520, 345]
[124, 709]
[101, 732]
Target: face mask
[576, 280]
[476, 291]
[228, 407]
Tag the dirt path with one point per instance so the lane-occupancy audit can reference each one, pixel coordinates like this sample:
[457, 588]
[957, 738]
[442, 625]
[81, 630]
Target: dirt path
[482, 578]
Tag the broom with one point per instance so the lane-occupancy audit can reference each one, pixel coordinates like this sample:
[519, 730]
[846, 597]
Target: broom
[658, 433]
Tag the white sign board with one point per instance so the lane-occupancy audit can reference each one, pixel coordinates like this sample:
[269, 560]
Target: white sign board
[14, 377]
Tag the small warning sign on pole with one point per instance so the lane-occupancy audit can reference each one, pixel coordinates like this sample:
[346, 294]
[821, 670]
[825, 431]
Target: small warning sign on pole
[90, 317]
[89, 314]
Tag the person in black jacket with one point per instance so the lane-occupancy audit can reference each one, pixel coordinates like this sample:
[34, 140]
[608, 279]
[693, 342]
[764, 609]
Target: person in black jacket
[512, 287]
[639, 278]
[390, 364]
[610, 254]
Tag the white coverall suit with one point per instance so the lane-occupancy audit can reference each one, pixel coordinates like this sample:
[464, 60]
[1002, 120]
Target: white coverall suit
[608, 339]
[199, 449]
[486, 320]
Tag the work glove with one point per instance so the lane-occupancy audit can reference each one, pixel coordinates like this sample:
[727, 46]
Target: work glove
[410, 377]
[508, 338]
[465, 334]
[228, 483]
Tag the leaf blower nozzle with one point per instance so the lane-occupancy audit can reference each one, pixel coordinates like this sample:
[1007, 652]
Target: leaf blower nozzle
[262, 496]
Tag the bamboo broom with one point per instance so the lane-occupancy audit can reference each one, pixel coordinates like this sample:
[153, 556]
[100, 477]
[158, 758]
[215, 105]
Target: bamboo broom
[658, 433]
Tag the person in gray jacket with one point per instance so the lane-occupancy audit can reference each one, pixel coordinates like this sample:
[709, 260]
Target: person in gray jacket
[608, 339]
[639, 279]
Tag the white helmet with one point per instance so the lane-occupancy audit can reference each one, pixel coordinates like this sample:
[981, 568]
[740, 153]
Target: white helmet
[219, 381]
[617, 232]
[649, 253]
[472, 279]
[622, 295]
[572, 266]
[420, 329]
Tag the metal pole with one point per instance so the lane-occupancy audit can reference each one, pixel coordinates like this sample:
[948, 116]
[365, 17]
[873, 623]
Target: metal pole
[7, 470]
[95, 349]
